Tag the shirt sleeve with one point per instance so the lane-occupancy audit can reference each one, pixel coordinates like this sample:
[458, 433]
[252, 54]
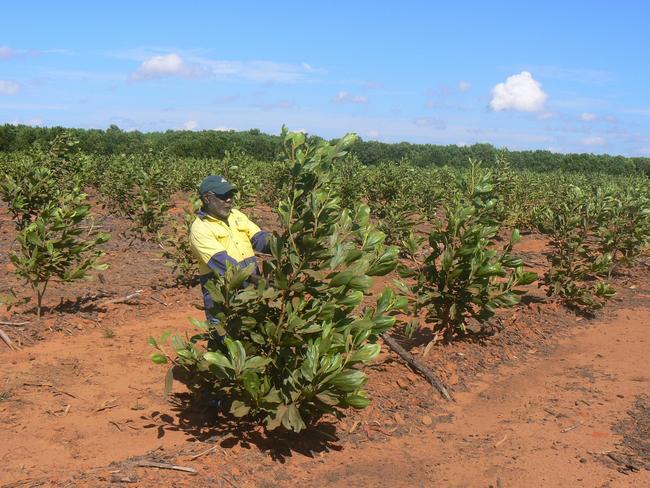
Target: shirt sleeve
[261, 243]
[246, 225]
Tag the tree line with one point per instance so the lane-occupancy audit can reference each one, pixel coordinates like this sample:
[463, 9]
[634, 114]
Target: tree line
[266, 147]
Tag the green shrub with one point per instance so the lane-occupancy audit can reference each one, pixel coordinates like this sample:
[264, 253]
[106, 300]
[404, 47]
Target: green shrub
[56, 235]
[577, 261]
[464, 276]
[293, 345]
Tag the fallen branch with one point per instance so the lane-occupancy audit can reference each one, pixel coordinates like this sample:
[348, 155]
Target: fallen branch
[112, 403]
[417, 365]
[497, 444]
[15, 324]
[153, 464]
[159, 301]
[56, 390]
[572, 427]
[203, 453]
[128, 297]
[7, 341]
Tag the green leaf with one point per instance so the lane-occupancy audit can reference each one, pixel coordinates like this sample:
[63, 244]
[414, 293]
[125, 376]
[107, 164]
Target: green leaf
[515, 237]
[349, 380]
[256, 362]
[158, 358]
[328, 398]
[218, 359]
[169, 381]
[366, 353]
[293, 420]
[357, 401]
[239, 409]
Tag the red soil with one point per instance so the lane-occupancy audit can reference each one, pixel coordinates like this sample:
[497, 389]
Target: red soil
[536, 404]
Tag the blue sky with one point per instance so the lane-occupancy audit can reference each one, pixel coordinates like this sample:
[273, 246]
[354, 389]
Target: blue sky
[565, 76]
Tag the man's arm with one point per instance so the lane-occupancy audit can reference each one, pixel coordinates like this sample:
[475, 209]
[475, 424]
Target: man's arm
[218, 262]
[259, 238]
[260, 241]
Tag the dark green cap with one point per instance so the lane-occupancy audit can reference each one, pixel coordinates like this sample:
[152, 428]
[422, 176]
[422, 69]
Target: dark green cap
[217, 185]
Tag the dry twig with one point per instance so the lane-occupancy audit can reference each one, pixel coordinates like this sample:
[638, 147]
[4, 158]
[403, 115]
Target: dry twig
[497, 444]
[159, 301]
[15, 324]
[130, 296]
[153, 464]
[203, 453]
[572, 427]
[8, 341]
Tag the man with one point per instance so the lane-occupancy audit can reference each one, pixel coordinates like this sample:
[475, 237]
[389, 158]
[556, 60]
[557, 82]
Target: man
[221, 234]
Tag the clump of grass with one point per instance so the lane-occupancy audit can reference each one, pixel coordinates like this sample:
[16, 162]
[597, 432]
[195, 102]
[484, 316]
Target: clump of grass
[109, 333]
[5, 395]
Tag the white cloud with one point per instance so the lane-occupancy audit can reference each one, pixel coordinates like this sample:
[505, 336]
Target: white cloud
[464, 86]
[8, 87]
[222, 128]
[593, 141]
[166, 66]
[6, 52]
[261, 71]
[373, 134]
[190, 65]
[345, 97]
[519, 92]
[33, 122]
[588, 116]
[190, 125]
[430, 122]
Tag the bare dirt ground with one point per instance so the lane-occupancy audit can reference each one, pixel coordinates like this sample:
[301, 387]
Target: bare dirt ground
[550, 400]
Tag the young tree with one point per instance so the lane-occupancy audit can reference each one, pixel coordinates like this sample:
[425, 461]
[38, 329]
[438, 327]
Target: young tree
[290, 349]
[56, 237]
[465, 276]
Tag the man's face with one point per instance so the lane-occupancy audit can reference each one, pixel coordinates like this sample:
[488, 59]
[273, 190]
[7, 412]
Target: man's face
[218, 206]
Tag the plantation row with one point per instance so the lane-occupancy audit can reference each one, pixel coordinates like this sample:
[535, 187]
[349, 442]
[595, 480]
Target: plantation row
[293, 344]
[266, 147]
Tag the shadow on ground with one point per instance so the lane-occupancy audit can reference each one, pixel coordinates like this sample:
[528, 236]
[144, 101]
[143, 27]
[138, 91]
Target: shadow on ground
[204, 422]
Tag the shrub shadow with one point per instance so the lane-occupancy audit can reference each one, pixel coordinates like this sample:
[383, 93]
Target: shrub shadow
[204, 422]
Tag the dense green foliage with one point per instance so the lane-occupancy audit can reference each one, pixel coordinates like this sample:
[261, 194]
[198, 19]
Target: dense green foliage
[56, 236]
[294, 343]
[265, 147]
[465, 276]
[592, 233]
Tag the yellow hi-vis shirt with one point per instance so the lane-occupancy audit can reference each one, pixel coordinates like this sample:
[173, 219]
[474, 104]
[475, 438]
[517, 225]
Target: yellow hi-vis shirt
[209, 236]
